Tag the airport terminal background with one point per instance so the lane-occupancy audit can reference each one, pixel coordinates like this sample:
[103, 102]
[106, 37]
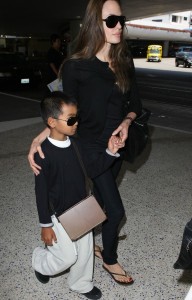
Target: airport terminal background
[156, 189]
[156, 192]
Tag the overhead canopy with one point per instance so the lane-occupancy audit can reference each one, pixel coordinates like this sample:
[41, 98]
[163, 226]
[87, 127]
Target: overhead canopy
[40, 18]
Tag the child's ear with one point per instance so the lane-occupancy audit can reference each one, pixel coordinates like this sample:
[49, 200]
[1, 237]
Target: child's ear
[51, 122]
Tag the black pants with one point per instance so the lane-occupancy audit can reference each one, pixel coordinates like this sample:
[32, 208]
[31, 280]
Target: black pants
[107, 194]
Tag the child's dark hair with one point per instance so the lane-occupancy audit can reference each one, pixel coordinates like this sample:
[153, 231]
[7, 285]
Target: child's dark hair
[51, 106]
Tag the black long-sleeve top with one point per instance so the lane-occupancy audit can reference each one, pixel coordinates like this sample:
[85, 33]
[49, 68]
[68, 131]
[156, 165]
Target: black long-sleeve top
[91, 82]
[62, 180]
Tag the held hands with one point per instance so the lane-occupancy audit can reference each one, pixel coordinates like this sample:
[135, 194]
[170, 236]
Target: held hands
[115, 143]
[48, 236]
[122, 130]
[121, 134]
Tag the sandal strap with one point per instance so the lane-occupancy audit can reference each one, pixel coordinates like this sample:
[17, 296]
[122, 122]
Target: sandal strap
[125, 275]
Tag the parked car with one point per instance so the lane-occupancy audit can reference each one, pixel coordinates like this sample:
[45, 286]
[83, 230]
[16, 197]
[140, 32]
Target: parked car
[16, 70]
[183, 58]
[185, 49]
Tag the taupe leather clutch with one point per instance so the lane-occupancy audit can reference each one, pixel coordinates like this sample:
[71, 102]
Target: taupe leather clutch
[85, 215]
[82, 217]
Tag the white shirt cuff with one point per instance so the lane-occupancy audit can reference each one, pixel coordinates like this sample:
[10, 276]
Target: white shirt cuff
[110, 153]
[46, 225]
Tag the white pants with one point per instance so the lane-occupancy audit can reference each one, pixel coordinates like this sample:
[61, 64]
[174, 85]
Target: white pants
[77, 255]
[189, 295]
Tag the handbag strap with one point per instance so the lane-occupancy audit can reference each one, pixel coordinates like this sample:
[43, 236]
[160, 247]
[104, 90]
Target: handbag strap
[87, 180]
[79, 158]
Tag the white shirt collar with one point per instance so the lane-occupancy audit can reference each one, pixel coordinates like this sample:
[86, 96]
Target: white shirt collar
[60, 144]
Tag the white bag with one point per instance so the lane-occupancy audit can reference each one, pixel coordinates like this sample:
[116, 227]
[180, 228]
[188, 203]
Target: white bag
[55, 85]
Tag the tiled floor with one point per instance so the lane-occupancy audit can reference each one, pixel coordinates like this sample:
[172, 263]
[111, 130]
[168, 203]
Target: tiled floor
[157, 194]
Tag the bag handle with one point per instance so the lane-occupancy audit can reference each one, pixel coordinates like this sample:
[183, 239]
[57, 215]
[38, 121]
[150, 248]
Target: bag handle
[79, 158]
[87, 180]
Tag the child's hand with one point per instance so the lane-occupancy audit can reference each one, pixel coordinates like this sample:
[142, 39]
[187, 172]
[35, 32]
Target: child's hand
[48, 236]
[115, 143]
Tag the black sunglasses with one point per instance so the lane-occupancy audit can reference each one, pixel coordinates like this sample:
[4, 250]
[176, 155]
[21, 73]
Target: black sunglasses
[111, 21]
[71, 121]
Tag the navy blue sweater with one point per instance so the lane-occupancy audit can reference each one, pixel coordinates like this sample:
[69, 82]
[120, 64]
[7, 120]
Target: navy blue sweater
[61, 179]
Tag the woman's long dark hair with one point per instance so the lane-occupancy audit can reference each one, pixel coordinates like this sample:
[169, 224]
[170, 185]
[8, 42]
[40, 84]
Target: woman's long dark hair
[91, 40]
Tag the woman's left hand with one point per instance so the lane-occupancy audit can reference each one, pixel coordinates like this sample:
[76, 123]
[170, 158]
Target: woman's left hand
[122, 130]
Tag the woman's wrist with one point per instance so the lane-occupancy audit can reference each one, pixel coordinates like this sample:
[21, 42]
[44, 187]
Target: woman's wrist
[36, 140]
[129, 118]
[42, 136]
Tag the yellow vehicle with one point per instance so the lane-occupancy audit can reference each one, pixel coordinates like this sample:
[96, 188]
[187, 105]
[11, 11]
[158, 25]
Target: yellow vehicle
[154, 53]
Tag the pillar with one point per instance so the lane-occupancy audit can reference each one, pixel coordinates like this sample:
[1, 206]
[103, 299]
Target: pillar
[165, 48]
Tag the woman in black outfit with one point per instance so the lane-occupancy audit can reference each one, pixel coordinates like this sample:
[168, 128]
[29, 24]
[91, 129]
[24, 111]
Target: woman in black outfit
[100, 75]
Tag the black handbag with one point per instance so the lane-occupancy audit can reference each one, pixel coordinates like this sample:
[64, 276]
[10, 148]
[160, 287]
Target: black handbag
[184, 260]
[138, 136]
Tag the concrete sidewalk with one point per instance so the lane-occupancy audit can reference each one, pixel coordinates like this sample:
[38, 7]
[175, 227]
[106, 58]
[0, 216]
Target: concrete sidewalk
[157, 194]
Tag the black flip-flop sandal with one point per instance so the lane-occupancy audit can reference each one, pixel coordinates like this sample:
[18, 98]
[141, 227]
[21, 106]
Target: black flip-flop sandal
[119, 282]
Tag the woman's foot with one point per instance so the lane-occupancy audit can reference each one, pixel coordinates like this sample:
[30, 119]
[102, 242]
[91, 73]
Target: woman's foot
[118, 274]
[97, 251]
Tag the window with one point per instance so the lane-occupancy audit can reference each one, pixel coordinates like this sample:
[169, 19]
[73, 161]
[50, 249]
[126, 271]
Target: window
[157, 20]
[174, 19]
[154, 50]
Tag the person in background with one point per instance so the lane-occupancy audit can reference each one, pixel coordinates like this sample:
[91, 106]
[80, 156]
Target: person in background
[54, 58]
[60, 185]
[101, 76]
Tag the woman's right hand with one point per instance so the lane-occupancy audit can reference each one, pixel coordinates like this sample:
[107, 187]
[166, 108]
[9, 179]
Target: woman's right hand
[35, 147]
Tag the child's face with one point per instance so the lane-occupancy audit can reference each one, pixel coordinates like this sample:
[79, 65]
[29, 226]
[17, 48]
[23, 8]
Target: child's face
[66, 123]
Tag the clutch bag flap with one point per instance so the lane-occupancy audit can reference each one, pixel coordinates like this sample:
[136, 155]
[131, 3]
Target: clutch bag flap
[82, 217]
